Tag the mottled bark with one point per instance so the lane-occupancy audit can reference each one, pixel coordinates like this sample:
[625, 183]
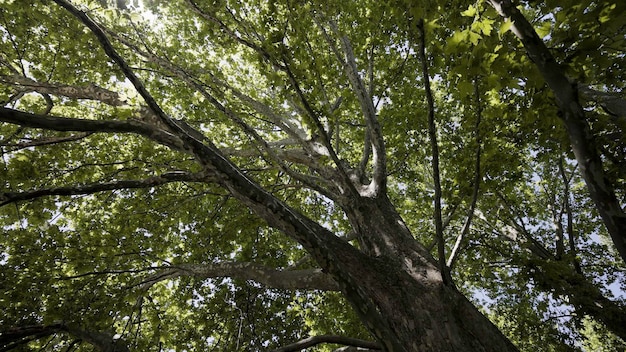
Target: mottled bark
[400, 294]
[87, 91]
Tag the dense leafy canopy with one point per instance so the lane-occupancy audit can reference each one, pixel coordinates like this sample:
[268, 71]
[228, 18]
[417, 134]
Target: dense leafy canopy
[115, 230]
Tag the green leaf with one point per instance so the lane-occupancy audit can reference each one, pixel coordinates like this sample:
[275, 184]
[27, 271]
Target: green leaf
[544, 29]
[505, 27]
[470, 12]
[474, 37]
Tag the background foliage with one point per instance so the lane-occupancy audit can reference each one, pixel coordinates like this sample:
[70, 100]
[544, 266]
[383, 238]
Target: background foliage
[94, 259]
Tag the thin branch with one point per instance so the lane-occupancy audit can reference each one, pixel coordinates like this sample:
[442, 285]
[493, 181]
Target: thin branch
[110, 272]
[477, 178]
[11, 197]
[46, 141]
[570, 220]
[334, 339]
[432, 134]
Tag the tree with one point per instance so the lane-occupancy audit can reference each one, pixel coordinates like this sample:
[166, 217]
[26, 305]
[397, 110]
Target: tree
[274, 176]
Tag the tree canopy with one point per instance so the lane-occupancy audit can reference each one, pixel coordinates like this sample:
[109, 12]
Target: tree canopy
[278, 175]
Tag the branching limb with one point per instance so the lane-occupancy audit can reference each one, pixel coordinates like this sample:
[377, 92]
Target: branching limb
[11, 197]
[325, 138]
[317, 184]
[282, 64]
[341, 340]
[304, 279]
[328, 250]
[348, 60]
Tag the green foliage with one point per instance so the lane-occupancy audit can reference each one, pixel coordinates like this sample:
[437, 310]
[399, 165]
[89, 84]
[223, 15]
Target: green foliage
[87, 258]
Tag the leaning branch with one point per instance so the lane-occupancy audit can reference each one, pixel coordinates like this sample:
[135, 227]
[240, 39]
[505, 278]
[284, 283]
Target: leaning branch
[334, 339]
[305, 279]
[573, 116]
[12, 197]
[328, 250]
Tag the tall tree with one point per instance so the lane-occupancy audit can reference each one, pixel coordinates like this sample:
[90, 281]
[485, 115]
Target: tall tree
[250, 175]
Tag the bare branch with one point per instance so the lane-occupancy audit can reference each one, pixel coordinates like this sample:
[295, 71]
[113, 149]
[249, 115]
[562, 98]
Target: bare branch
[341, 340]
[379, 181]
[90, 91]
[11, 197]
[305, 279]
[46, 141]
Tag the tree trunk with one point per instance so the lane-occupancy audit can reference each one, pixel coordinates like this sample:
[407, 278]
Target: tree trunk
[397, 290]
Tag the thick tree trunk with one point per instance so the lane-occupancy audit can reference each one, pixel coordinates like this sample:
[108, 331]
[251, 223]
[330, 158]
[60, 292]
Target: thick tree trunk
[397, 290]
[392, 281]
